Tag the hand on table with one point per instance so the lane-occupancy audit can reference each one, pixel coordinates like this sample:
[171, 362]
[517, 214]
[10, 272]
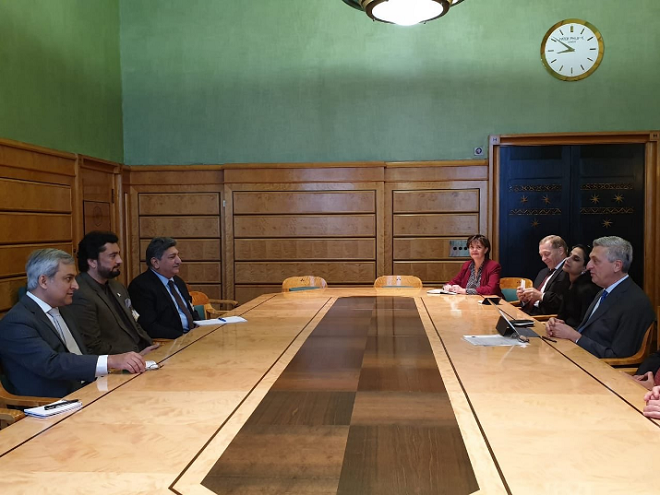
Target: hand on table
[645, 379]
[652, 398]
[129, 361]
[559, 329]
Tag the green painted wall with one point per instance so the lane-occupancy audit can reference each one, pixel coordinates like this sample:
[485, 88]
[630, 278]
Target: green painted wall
[61, 76]
[217, 81]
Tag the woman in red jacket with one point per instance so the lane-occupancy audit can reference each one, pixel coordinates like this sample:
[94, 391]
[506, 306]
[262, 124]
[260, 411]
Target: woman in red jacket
[481, 275]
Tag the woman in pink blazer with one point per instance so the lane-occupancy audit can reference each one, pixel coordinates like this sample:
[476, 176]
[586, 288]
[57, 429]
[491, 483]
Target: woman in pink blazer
[481, 275]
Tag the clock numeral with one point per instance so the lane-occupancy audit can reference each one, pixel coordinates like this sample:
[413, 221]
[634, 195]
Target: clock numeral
[593, 48]
[582, 31]
[562, 32]
[553, 61]
[551, 51]
[581, 67]
[590, 59]
[589, 39]
[571, 70]
[561, 68]
[571, 28]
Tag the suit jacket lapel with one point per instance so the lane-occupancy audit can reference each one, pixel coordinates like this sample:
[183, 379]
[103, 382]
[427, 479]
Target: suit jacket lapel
[610, 301]
[100, 292]
[34, 308]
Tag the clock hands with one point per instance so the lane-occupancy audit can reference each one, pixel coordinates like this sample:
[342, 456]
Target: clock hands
[568, 48]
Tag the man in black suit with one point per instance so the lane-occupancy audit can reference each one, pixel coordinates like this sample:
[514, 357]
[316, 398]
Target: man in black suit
[617, 319]
[101, 306]
[160, 297]
[41, 350]
[550, 284]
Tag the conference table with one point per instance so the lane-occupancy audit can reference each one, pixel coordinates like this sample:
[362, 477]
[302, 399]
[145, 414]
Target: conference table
[347, 391]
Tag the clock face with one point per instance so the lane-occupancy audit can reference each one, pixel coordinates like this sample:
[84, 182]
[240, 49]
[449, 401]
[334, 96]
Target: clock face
[572, 49]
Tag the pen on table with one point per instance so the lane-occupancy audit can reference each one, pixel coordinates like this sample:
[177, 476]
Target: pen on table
[63, 403]
[548, 339]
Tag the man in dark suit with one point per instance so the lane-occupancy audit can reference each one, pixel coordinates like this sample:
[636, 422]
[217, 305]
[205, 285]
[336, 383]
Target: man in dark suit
[159, 295]
[550, 284]
[101, 305]
[617, 319]
[41, 350]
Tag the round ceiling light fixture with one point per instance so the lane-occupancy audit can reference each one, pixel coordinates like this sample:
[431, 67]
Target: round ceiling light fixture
[403, 12]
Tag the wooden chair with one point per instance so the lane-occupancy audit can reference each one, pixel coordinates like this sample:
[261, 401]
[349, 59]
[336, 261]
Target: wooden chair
[304, 282]
[9, 416]
[636, 359]
[509, 286]
[8, 399]
[201, 299]
[398, 282]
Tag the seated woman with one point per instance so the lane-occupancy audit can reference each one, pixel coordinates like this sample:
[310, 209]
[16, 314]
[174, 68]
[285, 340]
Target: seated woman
[481, 275]
[582, 290]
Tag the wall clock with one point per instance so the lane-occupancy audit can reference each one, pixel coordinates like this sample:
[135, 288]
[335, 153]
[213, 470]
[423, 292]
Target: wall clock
[572, 49]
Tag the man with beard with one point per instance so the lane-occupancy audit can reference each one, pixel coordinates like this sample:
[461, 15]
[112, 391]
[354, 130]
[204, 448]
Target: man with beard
[160, 296]
[101, 306]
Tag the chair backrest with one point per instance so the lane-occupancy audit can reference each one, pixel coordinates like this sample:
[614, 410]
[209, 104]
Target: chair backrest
[510, 284]
[303, 282]
[637, 358]
[398, 282]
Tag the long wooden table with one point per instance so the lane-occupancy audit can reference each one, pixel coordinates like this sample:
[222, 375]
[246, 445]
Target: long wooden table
[546, 418]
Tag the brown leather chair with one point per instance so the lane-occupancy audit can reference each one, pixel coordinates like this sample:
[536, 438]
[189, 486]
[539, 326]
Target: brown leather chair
[398, 281]
[303, 282]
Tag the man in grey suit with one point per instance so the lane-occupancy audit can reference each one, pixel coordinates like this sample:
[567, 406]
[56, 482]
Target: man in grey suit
[616, 321]
[102, 308]
[41, 351]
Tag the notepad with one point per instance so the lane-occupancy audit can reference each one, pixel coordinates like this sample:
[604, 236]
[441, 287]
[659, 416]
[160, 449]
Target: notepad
[221, 321]
[151, 365]
[41, 412]
[440, 291]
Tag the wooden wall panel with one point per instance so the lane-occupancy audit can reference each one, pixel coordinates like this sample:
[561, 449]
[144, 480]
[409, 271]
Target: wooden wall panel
[424, 248]
[305, 226]
[180, 204]
[304, 202]
[176, 226]
[191, 249]
[305, 249]
[436, 201]
[97, 216]
[436, 224]
[9, 292]
[25, 228]
[246, 293]
[214, 291]
[200, 272]
[20, 195]
[333, 272]
[14, 257]
[431, 272]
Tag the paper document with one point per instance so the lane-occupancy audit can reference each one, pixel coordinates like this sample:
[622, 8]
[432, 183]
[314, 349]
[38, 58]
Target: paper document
[151, 365]
[440, 291]
[221, 321]
[493, 341]
[42, 412]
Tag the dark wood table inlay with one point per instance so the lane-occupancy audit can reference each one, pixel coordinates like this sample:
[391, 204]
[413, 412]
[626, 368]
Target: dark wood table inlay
[361, 409]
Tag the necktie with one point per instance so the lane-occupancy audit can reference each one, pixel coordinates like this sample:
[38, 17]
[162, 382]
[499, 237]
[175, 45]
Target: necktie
[603, 295]
[550, 272]
[181, 303]
[64, 331]
[530, 304]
